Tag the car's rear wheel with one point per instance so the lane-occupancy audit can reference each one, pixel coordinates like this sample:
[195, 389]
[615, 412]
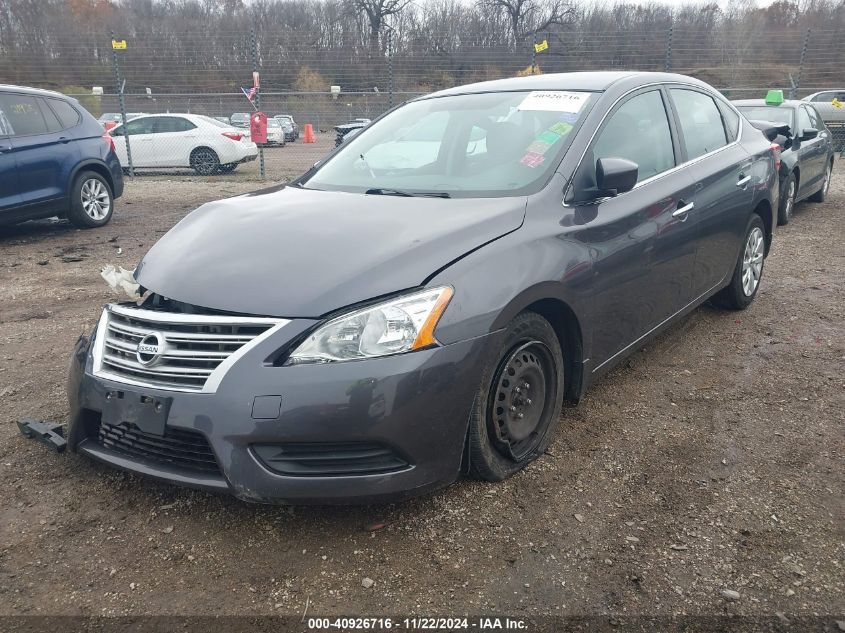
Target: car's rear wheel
[204, 161]
[518, 402]
[91, 201]
[821, 194]
[787, 201]
[748, 272]
[228, 168]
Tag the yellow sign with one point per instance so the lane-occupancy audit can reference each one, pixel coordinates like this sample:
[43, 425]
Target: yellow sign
[539, 48]
[836, 103]
[118, 45]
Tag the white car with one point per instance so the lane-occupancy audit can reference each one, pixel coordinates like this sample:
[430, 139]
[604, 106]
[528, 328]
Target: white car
[162, 141]
[275, 132]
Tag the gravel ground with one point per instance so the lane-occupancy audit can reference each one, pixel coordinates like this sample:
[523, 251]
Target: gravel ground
[711, 461]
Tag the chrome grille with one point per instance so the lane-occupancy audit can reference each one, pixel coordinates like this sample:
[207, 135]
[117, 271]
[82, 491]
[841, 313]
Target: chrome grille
[192, 347]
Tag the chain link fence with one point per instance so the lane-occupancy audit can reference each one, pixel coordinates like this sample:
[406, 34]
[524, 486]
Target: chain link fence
[196, 74]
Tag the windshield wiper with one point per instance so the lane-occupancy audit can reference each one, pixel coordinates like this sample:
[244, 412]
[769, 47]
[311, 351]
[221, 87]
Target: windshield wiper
[379, 191]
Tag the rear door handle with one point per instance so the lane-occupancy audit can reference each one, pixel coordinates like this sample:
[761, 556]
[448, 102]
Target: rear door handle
[744, 180]
[681, 212]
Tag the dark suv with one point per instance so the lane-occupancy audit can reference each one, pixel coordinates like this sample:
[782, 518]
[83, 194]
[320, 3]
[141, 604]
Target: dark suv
[54, 160]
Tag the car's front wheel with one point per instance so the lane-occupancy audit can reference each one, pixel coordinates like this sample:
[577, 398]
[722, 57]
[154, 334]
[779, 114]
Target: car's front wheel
[748, 272]
[204, 161]
[91, 201]
[518, 402]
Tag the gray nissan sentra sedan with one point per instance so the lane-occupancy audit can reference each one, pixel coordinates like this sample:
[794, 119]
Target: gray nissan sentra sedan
[421, 302]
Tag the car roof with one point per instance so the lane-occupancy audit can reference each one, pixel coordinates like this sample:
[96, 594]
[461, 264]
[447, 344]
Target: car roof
[584, 81]
[32, 91]
[762, 102]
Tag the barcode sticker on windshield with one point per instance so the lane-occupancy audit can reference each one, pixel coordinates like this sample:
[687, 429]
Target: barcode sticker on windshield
[554, 101]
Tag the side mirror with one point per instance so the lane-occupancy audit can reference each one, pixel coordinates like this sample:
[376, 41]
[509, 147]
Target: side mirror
[808, 134]
[615, 175]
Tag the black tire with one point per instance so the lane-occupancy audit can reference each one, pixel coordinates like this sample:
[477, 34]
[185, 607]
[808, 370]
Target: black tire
[228, 168]
[91, 201]
[204, 161]
[508, 429]
[787, 200]
[821, 194]
[736, 295]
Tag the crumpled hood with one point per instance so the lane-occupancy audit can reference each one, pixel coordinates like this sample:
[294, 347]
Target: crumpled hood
[293, 252]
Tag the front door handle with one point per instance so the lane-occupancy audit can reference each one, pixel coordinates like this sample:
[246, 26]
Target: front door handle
[743, 180]
[681, 212]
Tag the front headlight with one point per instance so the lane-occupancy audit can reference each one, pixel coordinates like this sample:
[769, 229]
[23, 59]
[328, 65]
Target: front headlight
[395, 326]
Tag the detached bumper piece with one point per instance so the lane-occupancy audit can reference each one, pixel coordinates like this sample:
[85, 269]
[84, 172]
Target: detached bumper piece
[329, 459]
[52, 435]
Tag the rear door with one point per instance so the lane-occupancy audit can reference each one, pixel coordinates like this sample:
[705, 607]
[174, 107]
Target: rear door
[173, 139]
[721, 171]
[9, 196]
[643, 240]
[43, 152]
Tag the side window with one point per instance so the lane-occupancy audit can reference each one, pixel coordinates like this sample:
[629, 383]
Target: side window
[638, 131]
[731, 119]
[135, 126]
[5, 126]
[804, 121]
[823, 97]
[50, 118]
[815, 118]
[701, 122]
[68, 115]
[23, 116]
[166, 124]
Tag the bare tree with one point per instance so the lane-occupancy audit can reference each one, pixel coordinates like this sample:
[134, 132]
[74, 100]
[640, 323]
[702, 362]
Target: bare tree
[376, 11]
[527, 17]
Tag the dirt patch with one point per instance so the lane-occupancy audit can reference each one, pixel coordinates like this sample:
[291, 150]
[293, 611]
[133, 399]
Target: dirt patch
[712, 460]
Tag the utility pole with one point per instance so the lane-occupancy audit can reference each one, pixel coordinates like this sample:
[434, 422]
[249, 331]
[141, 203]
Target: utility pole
[257, 97]
[120, 84]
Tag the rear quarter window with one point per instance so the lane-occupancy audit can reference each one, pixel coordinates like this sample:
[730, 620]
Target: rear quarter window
[68, 115]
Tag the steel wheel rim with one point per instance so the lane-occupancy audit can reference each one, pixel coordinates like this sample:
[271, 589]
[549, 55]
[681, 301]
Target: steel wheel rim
[96, 201]
[520, 398]
[752, 261]
[790, 198]
[205, 162]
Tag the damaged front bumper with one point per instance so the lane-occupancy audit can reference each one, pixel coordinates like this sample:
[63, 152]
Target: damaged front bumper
[353, 432]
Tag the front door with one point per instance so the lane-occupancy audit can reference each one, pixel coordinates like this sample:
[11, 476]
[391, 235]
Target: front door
[643, 241]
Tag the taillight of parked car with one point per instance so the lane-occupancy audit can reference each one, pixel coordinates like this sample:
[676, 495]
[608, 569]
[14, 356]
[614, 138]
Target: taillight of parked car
[109, 139]
[776, 150]
[233, 135]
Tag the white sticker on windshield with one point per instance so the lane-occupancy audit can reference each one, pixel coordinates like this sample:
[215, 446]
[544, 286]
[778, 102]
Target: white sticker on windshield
[554, 101]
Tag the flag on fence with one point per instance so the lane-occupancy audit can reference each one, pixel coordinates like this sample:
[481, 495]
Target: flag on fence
[250, 93]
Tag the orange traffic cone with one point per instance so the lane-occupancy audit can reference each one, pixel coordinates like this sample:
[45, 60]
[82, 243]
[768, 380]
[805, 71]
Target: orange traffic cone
[309, 134]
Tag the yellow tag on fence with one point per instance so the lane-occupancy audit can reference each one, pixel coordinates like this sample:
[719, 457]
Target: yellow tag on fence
[539, 48]
[118, 45]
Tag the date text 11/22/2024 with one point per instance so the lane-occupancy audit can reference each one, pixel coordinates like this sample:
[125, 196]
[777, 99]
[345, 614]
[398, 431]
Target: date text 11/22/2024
[420, 623]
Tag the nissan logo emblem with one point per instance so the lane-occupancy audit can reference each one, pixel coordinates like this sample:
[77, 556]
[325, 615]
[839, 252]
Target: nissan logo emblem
[150, 349]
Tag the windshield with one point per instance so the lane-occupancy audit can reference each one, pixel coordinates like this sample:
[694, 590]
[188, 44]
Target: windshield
[239, 117]
[476, 145]
[767, 113]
